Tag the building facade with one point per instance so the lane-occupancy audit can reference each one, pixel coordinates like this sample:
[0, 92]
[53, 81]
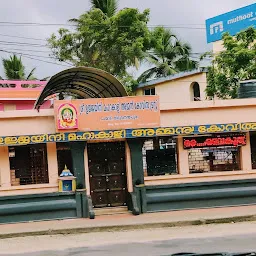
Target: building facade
[201, 154]
[182, 87]
[20, 95]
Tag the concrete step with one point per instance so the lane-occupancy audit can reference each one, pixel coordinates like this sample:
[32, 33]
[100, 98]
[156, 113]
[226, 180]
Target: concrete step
[111, 210]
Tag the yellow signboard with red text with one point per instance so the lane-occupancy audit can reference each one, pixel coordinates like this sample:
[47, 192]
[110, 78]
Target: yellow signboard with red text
[107, 113]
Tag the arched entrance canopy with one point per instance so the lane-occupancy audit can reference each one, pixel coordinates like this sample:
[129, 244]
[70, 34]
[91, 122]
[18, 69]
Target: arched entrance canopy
[83, 83]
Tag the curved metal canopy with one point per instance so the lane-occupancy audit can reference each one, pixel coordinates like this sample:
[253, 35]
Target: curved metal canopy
[83, 83]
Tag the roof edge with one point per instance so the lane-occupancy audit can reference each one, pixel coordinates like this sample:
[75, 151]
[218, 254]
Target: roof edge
[172, 77]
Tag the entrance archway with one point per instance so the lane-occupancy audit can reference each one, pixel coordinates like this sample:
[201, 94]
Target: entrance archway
[82, 83]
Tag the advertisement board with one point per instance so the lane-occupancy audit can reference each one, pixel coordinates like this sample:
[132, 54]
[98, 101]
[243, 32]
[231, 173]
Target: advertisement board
[234, 140]
[107, 113]
[232, 22]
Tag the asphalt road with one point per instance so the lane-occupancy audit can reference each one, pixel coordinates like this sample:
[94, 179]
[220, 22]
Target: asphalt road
[240, 237]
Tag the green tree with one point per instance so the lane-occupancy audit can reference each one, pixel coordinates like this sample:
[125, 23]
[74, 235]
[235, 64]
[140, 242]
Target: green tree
[15, 70]
[167, 56]
[237, 62]
[110, 43]
[108, 7]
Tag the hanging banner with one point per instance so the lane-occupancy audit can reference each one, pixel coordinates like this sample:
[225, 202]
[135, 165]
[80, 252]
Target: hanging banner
[107, 113]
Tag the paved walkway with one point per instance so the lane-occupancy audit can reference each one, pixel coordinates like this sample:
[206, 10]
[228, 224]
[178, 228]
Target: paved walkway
[128, 221]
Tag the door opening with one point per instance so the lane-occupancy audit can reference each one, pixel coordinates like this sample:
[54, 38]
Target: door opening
[107, 170]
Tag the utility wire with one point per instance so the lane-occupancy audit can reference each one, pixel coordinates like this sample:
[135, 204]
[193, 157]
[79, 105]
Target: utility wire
[25, 50]
[23, 37]
[177, 26]
[47, 61]
[30, 56]
[22, 43]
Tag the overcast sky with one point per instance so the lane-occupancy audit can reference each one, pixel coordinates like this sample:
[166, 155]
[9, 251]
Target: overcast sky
[190, 13]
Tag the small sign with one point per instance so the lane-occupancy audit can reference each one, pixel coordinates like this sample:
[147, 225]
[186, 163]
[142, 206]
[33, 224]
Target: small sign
[67, 117]
[214, 141]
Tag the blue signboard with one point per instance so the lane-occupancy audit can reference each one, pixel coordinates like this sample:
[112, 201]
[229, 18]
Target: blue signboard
[232, 22]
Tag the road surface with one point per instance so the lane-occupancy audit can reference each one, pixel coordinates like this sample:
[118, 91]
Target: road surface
[233, 237]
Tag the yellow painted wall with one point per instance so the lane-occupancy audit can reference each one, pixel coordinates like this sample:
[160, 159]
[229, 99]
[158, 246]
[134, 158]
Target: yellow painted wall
[9, 107]
[27, 122]
[217, 46]
[178, 90]
[209, 112]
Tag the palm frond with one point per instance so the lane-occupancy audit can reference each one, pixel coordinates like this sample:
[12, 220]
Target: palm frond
[13, 68]
[147, 75]
[108, 7]
[30, 75]
[74, 20]
[45, 78]
[185, 64]
[167, 56]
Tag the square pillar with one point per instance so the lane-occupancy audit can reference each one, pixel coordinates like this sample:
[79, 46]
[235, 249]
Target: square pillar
[182, 157]
[135, 146]
[77, 152]
[128, 168]
[86, 171]
[5, 174]
[246, 159]
[52, 163]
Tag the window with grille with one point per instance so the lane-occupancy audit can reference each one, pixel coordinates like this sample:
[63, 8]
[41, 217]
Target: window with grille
[159, 156]
[28, 164]
[150, 91]
[253, 149]
[64, 157]
[214, 159]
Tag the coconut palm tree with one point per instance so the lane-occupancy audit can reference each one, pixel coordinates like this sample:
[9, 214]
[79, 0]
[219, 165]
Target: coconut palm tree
[108, 7]
[15, 70]
[167, 56]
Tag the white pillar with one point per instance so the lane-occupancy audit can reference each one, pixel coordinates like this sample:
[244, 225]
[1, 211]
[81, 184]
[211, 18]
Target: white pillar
[52, 163]
[128, 167]
[246, 160]
[5, 174]
[183, 166]
[86, 171]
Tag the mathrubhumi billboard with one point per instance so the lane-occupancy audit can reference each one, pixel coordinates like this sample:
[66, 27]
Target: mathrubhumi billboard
[231, 22]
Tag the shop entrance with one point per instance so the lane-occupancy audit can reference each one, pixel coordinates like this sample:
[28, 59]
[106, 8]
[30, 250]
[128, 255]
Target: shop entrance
[107, 172]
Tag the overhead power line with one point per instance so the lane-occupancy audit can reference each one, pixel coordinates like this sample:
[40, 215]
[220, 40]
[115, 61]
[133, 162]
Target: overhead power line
[23, 37]
[47, 61]
[25, 50]
[22, 43]
[176, 26]
[30, 56]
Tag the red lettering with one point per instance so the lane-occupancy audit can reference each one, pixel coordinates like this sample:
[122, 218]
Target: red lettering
[241, 140]
[187, 143]
[217, 141]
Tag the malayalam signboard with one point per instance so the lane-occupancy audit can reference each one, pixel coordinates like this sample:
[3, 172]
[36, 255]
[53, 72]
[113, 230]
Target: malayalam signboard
[205, 129]
[232, 22]
[215, 141]
[100, 114]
